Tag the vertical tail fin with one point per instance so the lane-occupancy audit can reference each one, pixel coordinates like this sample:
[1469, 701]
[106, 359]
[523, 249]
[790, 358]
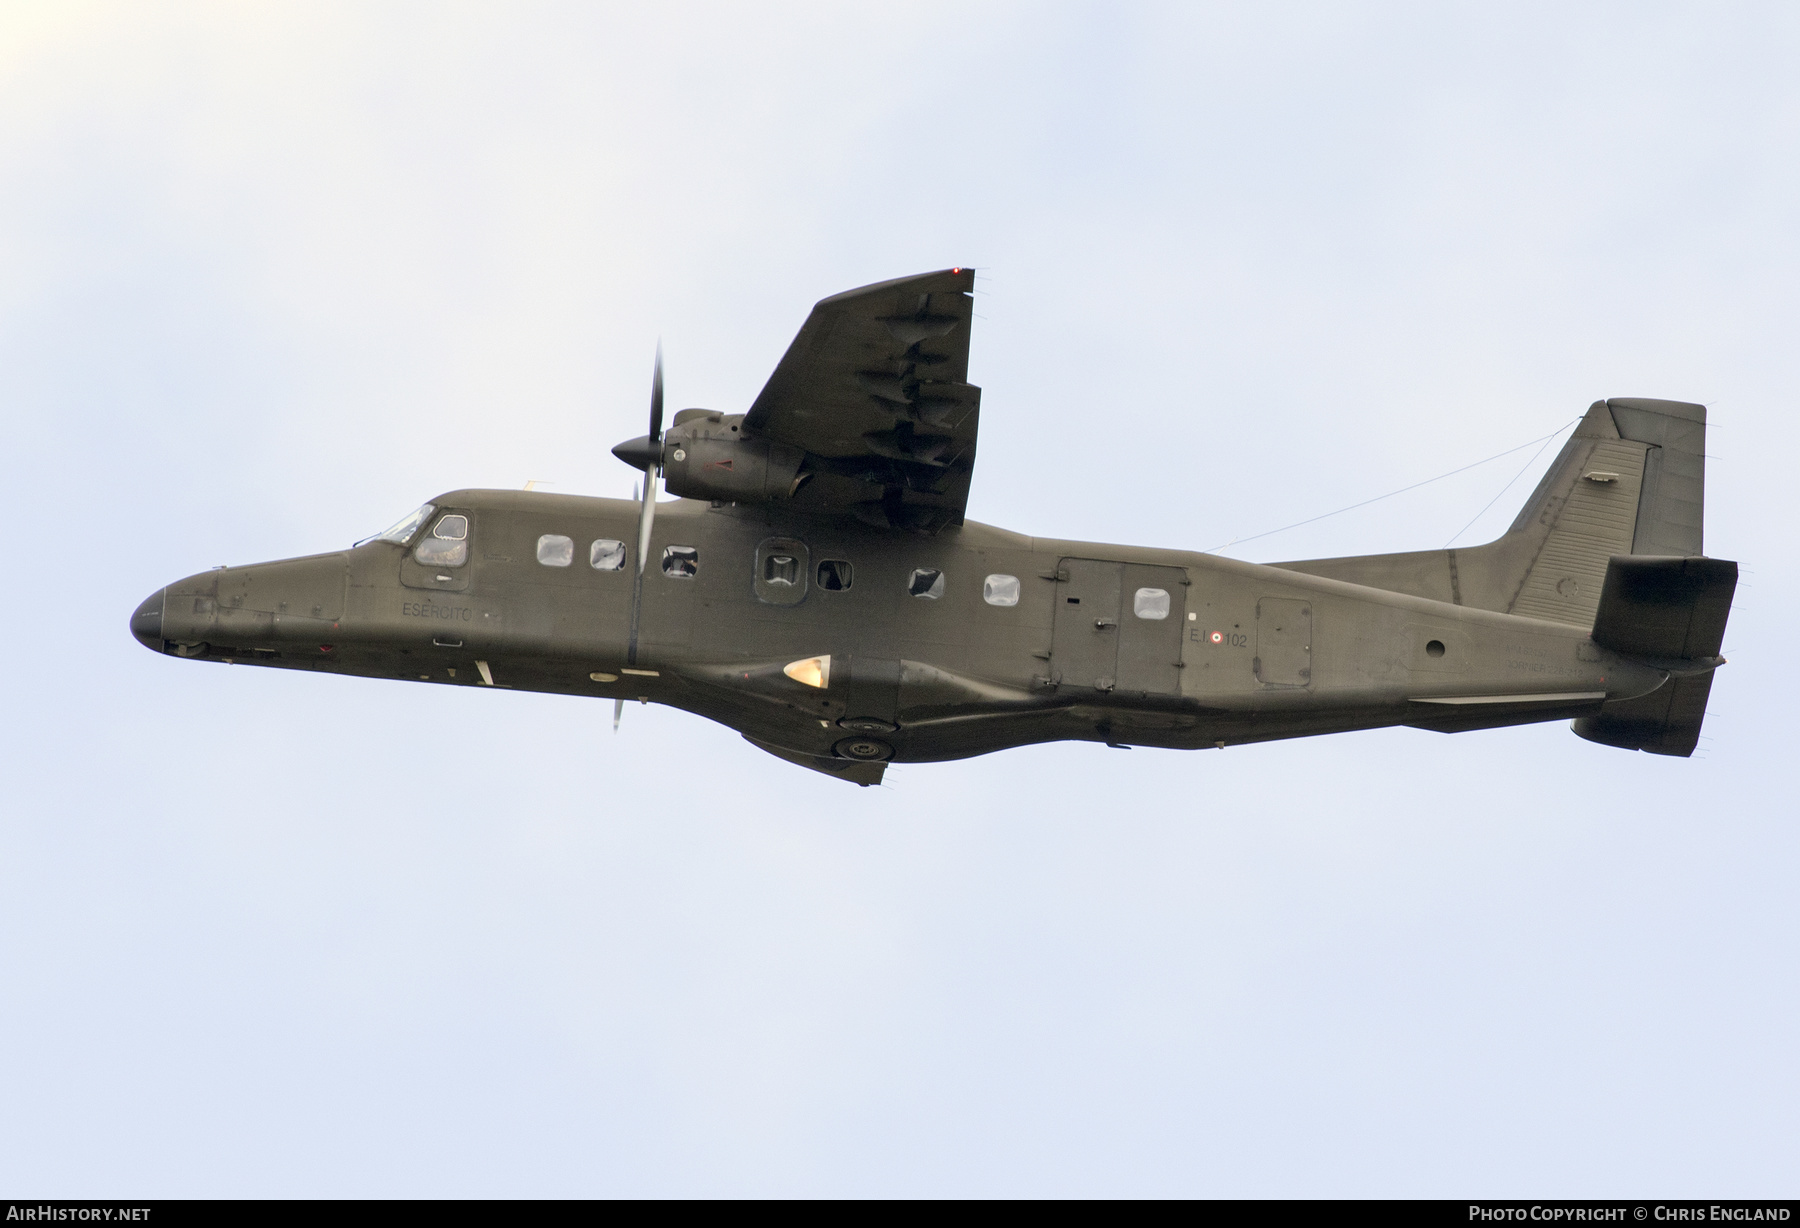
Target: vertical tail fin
[1630, 480]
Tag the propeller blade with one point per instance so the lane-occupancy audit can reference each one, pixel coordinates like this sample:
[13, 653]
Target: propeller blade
[648, 453]
[618, 711]
[656, 398]
[646, 516]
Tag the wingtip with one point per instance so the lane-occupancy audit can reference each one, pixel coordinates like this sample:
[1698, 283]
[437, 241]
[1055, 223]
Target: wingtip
[961, 278]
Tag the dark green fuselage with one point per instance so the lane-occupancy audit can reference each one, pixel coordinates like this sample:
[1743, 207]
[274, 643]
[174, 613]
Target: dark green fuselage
[1243, 652]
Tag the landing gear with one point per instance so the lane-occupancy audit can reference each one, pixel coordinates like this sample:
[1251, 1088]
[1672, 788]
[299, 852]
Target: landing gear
[864, 750]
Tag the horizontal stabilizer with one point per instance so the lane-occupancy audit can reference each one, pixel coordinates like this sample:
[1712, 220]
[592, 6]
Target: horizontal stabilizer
[1664, 722]
[1665, 607]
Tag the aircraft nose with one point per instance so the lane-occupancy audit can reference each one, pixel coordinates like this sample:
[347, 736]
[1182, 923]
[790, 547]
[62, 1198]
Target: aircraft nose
[147, 621]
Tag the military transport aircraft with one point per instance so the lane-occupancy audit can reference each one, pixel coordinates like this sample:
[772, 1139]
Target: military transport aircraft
[816, 587]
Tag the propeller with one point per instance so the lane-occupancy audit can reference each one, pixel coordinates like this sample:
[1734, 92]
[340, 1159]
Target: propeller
[644, 452]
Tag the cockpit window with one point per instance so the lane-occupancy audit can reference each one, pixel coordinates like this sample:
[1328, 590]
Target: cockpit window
[681, 562]
[448, 545]
[402, 532]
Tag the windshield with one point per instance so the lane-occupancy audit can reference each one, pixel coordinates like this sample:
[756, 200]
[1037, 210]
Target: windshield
[406, 528]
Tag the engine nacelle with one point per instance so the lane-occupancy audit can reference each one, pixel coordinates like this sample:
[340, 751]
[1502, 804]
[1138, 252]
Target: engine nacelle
[706, 455]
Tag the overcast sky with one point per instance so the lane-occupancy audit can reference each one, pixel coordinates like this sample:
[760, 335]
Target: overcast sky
[272, 275]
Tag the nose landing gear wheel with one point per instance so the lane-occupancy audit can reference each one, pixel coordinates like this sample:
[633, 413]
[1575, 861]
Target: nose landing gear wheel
[864, 750]
[867, 724]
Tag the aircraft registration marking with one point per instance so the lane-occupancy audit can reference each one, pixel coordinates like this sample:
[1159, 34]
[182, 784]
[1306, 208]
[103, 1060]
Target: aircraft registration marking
[428, 609]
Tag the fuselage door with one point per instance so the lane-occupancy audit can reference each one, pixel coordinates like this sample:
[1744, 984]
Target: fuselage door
[1118, 626]
[1284, 640]
[1084, 650]
[1153, 607]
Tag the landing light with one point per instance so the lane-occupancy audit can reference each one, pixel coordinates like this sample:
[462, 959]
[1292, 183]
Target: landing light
[814, 671]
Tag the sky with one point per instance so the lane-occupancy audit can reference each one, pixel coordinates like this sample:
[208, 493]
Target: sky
[272, 275]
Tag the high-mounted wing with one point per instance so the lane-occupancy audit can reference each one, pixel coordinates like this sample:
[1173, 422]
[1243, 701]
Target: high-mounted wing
[874, 390]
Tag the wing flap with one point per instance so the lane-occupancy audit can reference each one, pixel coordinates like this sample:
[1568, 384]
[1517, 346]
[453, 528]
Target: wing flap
[874, 389]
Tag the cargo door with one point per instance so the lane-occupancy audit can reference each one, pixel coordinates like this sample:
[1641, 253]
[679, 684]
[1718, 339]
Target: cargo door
[1152, 608]
[1084, 645]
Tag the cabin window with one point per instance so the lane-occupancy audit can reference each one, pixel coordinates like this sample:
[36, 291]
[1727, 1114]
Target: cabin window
[448, 545]
[779, 576]
[1151, 603]
[781, 569]
[555, 550]
[681, 562]
[402, 532]
[834, 575]
[926, 582]
[605, 554]
[1000, 590]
